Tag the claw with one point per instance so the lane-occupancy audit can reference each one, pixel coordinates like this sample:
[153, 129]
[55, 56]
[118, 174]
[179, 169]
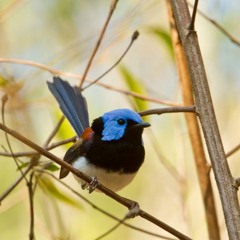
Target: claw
[91, 186]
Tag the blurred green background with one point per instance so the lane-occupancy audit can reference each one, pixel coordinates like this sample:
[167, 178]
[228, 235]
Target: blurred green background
[62, 34]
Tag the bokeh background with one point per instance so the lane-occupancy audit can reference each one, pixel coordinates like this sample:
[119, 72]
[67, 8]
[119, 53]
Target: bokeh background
[61, 34]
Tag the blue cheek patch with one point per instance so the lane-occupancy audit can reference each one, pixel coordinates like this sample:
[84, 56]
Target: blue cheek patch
[113, 131]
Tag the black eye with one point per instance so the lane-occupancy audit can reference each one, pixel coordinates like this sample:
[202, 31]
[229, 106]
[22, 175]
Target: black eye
[121, 121]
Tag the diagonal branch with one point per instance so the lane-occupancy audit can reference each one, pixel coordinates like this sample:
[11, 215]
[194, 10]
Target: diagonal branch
[125, 202]
[219, 27]
[134, 37]
[77, 76]
[111, 11]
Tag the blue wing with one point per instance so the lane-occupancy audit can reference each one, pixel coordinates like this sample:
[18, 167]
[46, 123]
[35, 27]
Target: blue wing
[72, 104]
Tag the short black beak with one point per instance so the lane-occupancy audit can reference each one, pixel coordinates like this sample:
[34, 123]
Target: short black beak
[142, 125]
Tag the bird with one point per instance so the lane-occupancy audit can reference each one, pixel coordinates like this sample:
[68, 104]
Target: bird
[110, 150]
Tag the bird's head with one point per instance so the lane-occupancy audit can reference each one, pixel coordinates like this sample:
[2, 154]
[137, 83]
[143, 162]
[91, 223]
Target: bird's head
[115, 124]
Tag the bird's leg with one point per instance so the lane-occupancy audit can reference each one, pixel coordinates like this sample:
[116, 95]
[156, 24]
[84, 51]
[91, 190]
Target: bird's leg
[91, 186]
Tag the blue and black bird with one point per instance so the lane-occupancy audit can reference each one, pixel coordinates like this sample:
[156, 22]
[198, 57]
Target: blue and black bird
[111, 149]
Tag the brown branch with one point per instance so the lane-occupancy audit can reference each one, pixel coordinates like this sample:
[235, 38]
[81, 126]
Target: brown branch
[77, 76]
[205, 110]
[191, 26]
[202, 166]
[40, 66]
[159, 111]
[165, 162]
[139, 96]
[54, 132]
[31, 203]
[134, 37]
[111, 10]
[125, 202]
[31, 153]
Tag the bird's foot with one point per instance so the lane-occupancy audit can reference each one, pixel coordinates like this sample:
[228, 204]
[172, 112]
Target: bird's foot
[91, 186]
[134, 210]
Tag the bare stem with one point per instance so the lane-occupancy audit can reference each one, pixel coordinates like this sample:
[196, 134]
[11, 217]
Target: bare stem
[13, 186]
[192, 23]
[159, 111]
[54, 132]
[4, 101]
[231, 152]
[219, 27]
[134, 37]
[31, 203]
[111, 10]
[77, 76]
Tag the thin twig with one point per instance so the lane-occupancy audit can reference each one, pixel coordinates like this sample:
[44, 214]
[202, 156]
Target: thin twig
[159, 111]
[234, 150]
[134, 37]
[40, 66]
[219, 27]
[111, 229]
[125, 202]
[14, 185]
[54, 132]
[111, 10]
[139, 96]
[191, 26]
[4, 101]
[77, 76]
[60, 143]
[165, 162]
[31, 153]
[31, 203]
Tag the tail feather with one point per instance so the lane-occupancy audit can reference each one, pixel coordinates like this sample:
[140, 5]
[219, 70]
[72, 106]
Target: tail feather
[72, 104]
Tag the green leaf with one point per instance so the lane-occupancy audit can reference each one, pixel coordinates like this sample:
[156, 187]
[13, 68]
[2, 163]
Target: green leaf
[134, 85]
[23, 165]
[52, 168]
[47, 185]
[164, 37]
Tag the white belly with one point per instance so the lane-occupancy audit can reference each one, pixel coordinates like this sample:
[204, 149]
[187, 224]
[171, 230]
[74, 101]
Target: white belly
[112, 180]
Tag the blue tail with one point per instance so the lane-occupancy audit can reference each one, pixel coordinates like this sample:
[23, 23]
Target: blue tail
[72, 104]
